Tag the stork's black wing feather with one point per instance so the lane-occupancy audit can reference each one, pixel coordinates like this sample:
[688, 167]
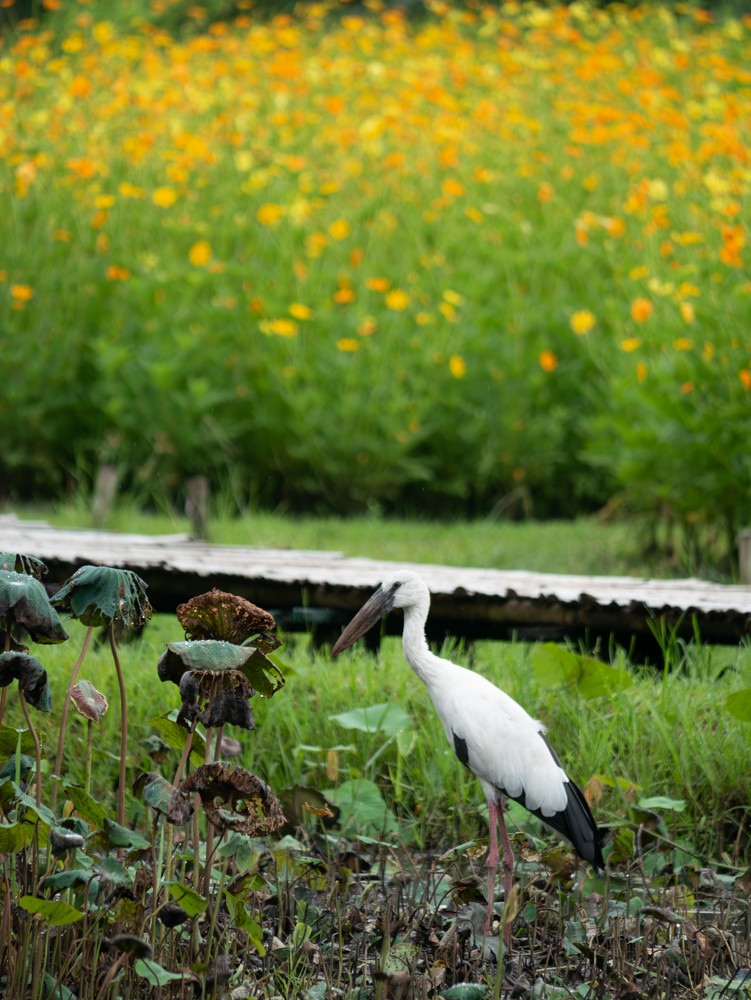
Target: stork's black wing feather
[576, 822]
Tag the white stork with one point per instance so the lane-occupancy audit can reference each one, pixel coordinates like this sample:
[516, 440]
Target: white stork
[490, 733]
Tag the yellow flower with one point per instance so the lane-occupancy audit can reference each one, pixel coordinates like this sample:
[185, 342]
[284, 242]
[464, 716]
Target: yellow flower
[682, 344]
[21, 293]
[339, 230]
[457, 366]
[397, 299]
[641, 372]
[200, 253]
[164, 197]
[548, 361]
[348, 344]
[269, 214]
[641, 310]
[453, 297]
[688, 313]
[281, 327]
[582, 321]
[377, 284]
[300, 311]
[630, 344]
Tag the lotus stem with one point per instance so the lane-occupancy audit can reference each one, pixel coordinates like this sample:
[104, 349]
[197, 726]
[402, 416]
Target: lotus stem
[37, 747]
[123, 725]
[89, 754]
[4, 692]
[64, 714]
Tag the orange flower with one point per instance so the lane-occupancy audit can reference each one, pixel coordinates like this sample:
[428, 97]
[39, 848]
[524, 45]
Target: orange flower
[367, 327]
[377, 284]
[641, 310]
[344, 295]
[548, 361]
[117, 273]
[21, 293]
[452, 188]
[745, 376]
[544, 192]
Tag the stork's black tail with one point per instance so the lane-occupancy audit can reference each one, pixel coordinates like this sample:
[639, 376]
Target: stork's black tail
[576, 822]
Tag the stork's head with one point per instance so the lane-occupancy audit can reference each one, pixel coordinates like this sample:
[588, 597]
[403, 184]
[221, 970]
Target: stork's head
[404, 589]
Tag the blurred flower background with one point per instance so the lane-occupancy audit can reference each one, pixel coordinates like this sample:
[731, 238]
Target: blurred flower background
[490, 257]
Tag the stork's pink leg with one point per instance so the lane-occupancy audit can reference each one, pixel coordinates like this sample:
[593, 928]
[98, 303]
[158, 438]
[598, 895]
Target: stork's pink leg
[493, 812]
[495, 816]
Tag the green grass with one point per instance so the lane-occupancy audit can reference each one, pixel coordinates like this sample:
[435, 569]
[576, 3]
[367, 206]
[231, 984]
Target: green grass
[586, 545]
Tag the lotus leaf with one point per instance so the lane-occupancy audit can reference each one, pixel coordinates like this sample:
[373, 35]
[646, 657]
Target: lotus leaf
[99, 595]
[25, 605]
[216, 656]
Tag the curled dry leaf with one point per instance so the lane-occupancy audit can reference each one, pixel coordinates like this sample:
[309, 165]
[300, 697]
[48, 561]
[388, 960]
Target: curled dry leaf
[62, 840]
[232, 798]
[216, 698]
[31, 677]
[217, 615]
[89, 702]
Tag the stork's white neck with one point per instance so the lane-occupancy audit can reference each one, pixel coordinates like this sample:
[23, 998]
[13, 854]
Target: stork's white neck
[425, 664]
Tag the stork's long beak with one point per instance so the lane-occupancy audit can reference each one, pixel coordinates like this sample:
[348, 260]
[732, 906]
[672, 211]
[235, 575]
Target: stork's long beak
[369, 614]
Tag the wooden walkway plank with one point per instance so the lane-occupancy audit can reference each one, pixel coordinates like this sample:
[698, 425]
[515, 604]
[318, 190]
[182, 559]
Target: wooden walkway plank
[467, 602]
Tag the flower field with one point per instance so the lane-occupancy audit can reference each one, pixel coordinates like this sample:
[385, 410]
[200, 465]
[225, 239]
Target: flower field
[495, 254]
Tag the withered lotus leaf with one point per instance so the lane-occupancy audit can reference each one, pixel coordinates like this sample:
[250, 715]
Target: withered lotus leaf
[18, 562]
[232, 798]
[98, 595]
[31, 677]
[25, 606]
[89, 702]
[217, 615]
[216, 656]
